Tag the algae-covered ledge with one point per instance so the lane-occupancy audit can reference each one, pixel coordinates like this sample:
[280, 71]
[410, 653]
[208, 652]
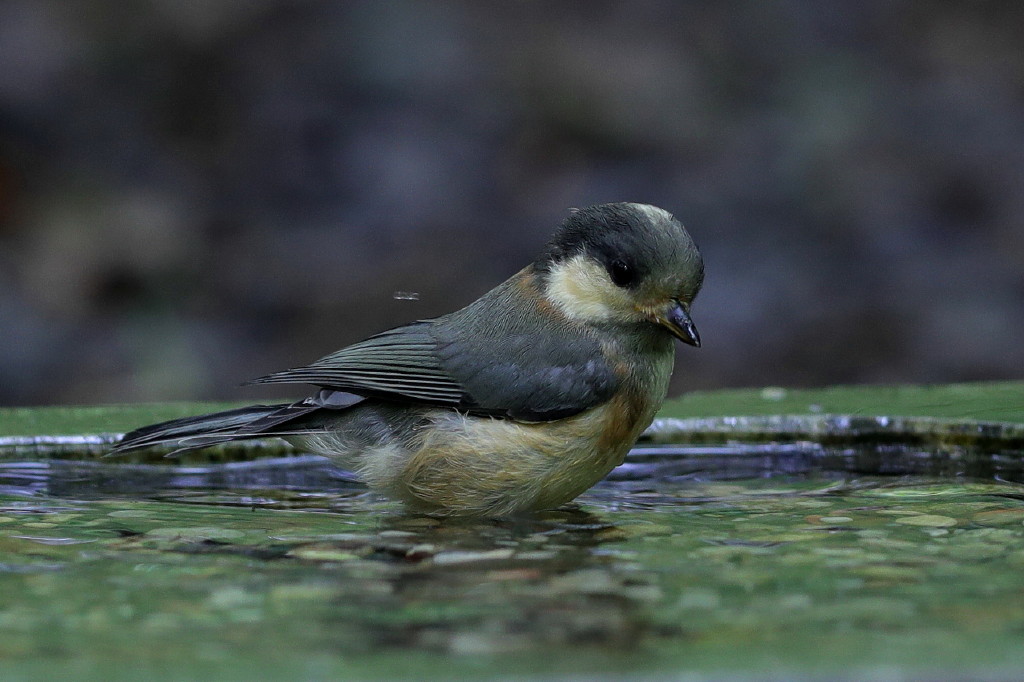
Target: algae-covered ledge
[986, 415]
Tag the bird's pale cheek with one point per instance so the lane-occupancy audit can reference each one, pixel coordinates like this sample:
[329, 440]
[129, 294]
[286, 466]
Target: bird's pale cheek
[581, 290]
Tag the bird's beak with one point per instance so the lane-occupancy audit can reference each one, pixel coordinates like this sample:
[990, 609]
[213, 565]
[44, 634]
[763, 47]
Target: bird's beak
[677, 320]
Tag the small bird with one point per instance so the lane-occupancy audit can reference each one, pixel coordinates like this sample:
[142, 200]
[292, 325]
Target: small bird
[518, 402]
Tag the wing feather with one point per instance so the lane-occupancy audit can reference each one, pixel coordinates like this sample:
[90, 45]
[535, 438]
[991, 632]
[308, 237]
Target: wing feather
[488, 358]
[401, 362]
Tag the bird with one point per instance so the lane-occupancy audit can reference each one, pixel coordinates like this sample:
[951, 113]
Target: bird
[514, 404]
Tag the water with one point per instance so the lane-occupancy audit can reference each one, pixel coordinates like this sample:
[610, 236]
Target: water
[767, 560]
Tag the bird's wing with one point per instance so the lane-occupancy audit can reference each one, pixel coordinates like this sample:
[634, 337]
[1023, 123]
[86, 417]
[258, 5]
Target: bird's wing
[508, 376]
[399, 363]
[529, 376]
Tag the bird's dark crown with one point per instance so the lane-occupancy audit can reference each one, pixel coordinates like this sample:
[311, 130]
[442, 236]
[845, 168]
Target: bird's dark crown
[628, 239]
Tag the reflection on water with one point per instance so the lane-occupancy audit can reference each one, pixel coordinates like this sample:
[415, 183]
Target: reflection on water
[764, 561]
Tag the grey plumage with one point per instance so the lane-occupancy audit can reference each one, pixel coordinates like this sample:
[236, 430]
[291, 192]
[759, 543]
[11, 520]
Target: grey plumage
[500, 369]
[520, 400]
[210, 429]
[484, 359]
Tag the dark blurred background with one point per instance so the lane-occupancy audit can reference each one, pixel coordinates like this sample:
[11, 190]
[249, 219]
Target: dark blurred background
[194, 194]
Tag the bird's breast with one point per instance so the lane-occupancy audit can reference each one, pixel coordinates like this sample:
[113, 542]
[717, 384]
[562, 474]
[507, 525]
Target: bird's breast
[480, 465]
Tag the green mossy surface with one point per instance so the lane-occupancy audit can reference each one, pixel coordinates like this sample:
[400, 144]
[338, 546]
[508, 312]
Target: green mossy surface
[994, 401]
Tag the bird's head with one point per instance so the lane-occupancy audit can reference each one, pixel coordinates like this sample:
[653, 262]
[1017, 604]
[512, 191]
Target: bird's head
[624, 263]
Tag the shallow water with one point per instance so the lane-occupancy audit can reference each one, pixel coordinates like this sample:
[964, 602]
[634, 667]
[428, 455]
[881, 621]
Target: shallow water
[783, 560]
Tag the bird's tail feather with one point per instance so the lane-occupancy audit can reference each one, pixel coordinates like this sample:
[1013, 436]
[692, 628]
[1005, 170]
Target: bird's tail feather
[191, 433]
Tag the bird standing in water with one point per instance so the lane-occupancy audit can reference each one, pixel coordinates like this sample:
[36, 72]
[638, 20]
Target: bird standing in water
[518, 402]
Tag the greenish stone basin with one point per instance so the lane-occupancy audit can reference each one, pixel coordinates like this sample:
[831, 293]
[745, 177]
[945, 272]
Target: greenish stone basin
[844, 533]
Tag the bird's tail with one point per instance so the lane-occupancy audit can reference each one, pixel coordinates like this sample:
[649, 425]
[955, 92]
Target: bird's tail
[190, 433]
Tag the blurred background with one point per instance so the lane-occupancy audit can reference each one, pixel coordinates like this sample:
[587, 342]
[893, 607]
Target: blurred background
[195, 194]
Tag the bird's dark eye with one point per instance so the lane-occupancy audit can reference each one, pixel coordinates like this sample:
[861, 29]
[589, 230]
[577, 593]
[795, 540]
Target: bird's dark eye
[622, 275]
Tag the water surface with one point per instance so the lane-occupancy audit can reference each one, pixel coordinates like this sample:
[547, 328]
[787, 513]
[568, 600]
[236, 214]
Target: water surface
[802, 554]
[283, 568]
